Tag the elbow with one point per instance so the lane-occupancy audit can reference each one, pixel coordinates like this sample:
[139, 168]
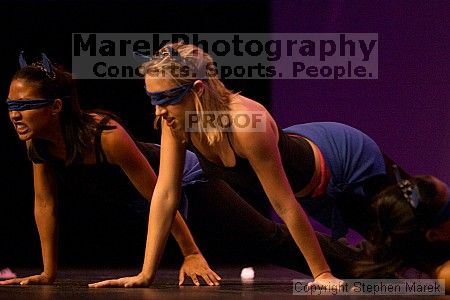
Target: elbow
[44, 206]
[287, 211]
[166, 200]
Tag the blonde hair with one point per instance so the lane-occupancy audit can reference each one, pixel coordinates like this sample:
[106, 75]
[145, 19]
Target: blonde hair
[215, 96]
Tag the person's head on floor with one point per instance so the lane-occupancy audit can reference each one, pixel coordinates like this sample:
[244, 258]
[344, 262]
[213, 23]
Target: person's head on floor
[411, 225]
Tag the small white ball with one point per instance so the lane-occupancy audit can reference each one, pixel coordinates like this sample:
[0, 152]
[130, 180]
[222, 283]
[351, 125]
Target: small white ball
[248, 273]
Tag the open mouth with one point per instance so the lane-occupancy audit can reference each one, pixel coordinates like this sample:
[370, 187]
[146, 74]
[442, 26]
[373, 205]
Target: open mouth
[21, 128]
[170, 121]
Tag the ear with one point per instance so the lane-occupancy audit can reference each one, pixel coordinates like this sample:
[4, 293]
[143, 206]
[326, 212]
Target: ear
[57, 106]
[199, 87]
[432, 235]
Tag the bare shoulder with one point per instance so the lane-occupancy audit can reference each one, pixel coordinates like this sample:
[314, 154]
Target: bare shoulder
[116, 142]
[240, 103]
[115, 133]
[254, 129]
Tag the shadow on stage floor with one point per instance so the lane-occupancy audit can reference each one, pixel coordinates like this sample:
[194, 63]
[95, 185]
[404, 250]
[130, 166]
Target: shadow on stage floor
[270, 282]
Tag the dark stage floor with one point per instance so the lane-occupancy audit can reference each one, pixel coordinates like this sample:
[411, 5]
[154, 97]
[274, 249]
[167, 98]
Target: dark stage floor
[269, 283]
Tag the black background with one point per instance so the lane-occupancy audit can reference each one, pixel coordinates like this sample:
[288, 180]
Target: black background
[47, 26]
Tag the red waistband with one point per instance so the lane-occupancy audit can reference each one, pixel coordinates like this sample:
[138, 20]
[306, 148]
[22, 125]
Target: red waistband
[324, 177]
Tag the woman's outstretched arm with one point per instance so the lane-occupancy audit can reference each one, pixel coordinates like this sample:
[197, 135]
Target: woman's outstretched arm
[120, 149]
[45, 214]
[261, 149]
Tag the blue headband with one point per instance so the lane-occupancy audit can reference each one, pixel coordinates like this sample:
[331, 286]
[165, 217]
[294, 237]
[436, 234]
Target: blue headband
[412, 195]
[170, 96]
[167, 51]
[21, 105]
[171, 53]
[409, 190]
[45, 65]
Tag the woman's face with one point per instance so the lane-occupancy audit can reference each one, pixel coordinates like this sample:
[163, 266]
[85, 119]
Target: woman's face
[172, 114]
[33, 123]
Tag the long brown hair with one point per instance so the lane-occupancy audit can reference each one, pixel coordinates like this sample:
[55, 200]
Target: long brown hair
[78, 128]
[397, 238]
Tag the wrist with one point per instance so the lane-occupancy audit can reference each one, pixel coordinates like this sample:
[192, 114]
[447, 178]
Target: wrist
[147, 276]
[49, 275]
[192, 251]
[328, 271]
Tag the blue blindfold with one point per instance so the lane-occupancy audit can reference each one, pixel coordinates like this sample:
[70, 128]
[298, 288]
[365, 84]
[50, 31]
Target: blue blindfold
[170, 96]
[21, 105]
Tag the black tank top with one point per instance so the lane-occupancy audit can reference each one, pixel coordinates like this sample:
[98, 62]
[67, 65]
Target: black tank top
[38, 152]
[298, 162]
[101, 178]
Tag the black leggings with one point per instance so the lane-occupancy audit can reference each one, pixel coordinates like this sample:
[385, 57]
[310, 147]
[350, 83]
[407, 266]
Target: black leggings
[229, 230]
